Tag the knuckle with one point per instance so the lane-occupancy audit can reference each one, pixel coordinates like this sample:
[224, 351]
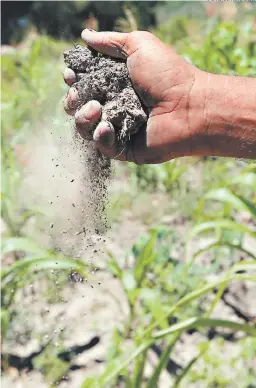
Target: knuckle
[121, 48]
[140, 35]
[136, 39]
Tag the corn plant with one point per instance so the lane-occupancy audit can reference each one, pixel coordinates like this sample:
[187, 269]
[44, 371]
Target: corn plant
[28, 75]
[165, 177]
[166, 297]
[156, 281]
[150, 307]
[131, 367]
[35, 264]
[224, 220]
[224, 47]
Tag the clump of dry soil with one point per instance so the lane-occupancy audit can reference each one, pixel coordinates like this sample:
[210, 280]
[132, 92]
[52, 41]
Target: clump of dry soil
[105, 79]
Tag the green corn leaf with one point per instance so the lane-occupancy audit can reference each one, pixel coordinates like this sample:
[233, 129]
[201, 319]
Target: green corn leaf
[248, 179]
[113, 265]
[216, 299]
[27, 215]
[139, 369]
[43, 263]
[224, 244]
[152, 299]
[5, 320]
[114, 369]
[220, 224]
[117, 366]
[165, 356]
[187, 369]
[128, 381]
[251, 166]
[196, 322]
[145, 258]
[22, 244]
[41, 258]
[226, 195]
[243, 266]
[195, 295]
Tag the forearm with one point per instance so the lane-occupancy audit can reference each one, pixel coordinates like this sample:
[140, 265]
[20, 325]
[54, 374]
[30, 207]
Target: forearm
[230, 116]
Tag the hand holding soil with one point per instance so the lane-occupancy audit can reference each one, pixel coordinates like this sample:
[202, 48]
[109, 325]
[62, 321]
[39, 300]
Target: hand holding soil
[163, 81]
[189, 111]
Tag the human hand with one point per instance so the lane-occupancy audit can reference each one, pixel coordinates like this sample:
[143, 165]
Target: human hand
[168, 87]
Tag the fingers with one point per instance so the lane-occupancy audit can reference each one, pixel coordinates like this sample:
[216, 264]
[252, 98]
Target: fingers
[105, 140]
[110, 43]
[71, 101]
[85, 120]
[87, 116]
[69, 76]
[104, 134]
[104, 137]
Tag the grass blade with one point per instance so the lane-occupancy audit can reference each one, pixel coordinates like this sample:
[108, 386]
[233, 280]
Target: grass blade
[216, 299]
[42, 263]
[186, 369]
[205, 322]
[248, 179]
[139, 369]
[153, 381]
[194, 322]
[145, 258]
[225, 195]
[120, 364]
[221, 224]
[243, 266]
[196, 294]
[22, 244]
[224, 244]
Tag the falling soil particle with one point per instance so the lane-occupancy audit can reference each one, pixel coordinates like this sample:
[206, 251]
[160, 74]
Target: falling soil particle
[105, 79]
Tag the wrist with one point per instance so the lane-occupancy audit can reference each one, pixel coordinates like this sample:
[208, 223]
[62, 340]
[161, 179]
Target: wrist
[228, 115]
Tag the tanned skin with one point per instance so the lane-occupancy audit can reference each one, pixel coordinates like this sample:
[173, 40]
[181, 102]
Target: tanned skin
[191, 112]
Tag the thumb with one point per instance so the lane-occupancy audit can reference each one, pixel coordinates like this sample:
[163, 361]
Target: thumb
[114, 44]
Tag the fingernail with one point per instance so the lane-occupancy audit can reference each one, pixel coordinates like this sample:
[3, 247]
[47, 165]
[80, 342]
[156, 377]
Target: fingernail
[69, 76]
[104, 134]
[88, 35]
[90, 111]
[91, 107]
[72, 97]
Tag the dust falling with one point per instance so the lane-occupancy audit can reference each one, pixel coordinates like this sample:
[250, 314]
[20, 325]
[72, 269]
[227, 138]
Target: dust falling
[95, 178]
[66, 181]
